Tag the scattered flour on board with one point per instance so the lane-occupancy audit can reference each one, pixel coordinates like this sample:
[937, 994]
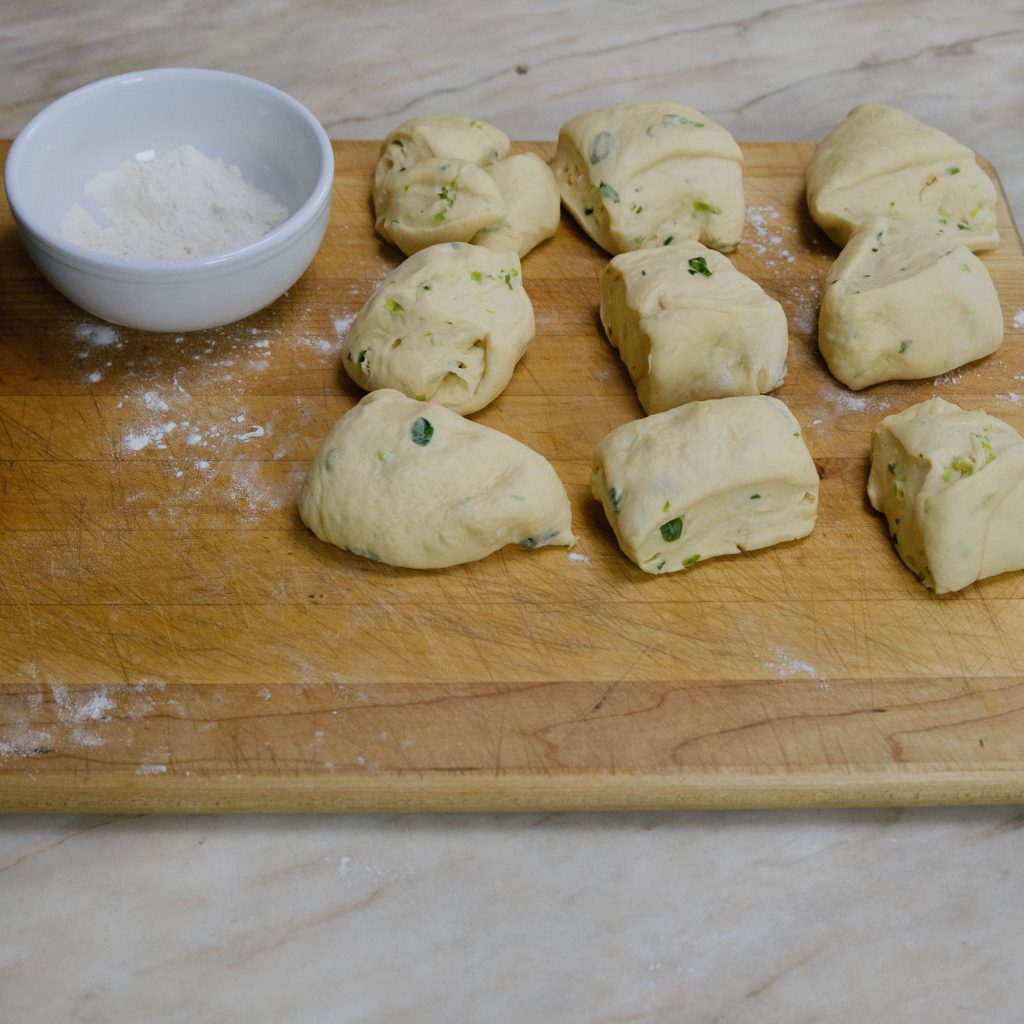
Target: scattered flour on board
[78, 708]
[21, 738]
[769, 234]
[22, 742]
[75, 707]
[1018, 319]
[786, 666]
[774, 242]
[842, 400]
[98, 335]
[186, 405]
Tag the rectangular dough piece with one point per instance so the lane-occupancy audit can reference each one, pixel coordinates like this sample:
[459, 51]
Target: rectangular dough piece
[706, 479]
[689, 326]
[950, 482]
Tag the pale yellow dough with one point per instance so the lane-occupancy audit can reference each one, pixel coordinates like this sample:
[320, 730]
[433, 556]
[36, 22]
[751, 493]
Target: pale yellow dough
[433, 135]
[635, 175]
[449, 325]
[688, 326]
[532, 204]
[883, 162]
[706, 479]
[950, 483]
[902, 302]
[414, 484]
[445, 178]
[438, 199]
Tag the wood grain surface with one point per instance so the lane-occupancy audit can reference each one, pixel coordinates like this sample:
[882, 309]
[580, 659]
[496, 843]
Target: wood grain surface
[172, 638]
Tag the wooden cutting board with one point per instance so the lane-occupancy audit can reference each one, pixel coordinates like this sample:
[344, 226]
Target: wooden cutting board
[172, 638]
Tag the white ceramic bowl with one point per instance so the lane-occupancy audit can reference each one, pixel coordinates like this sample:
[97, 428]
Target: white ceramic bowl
[274, 141]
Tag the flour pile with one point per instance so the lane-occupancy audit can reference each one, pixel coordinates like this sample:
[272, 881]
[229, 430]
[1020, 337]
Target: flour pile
[176, 206]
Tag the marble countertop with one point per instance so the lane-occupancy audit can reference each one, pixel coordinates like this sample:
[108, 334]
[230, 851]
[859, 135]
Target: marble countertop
[787, 916]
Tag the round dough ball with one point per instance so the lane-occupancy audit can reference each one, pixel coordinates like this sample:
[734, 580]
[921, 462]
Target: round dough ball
[448, 326]
[883, 162]
[437, 199]
[532, 204]
[416, 485]
[901, 303]
[635, 175]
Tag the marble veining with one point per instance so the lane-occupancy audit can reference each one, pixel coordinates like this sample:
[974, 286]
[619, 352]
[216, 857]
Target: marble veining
[730, 918]
[743, 918]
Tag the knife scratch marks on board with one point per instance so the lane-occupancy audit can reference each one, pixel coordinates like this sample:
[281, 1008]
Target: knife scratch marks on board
[8, 440]
[169, 633]
[497, 752]
[604, 697]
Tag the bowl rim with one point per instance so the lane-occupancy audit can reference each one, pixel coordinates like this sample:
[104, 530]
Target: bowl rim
[101, 264]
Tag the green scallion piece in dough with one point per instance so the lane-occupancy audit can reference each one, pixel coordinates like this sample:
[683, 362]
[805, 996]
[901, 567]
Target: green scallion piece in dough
[422, 431]
[672, 530]
[602, 145]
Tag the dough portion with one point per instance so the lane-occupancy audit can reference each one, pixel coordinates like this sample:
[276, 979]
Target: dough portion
[438, 199]
[447, 178]
[532, 205]
[637, 175]
[883, 162]
[689, 326]
[433, 135]
[449, 326]
[950, 483]
[706, 479]
[902, 302]
[414, 484]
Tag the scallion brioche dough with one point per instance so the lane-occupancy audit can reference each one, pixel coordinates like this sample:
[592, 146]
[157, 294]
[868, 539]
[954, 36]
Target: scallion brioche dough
[445, 178]
[448, 135]
[902, 302]
[414, 484]
[438, 199]
[532, 204]
[706, 479]
[635, 175]
[884, 162]
[689, 326]
[449, 325]
[950, 482]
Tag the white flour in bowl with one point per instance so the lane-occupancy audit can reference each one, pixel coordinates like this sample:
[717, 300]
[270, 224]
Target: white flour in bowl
[180, 205]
